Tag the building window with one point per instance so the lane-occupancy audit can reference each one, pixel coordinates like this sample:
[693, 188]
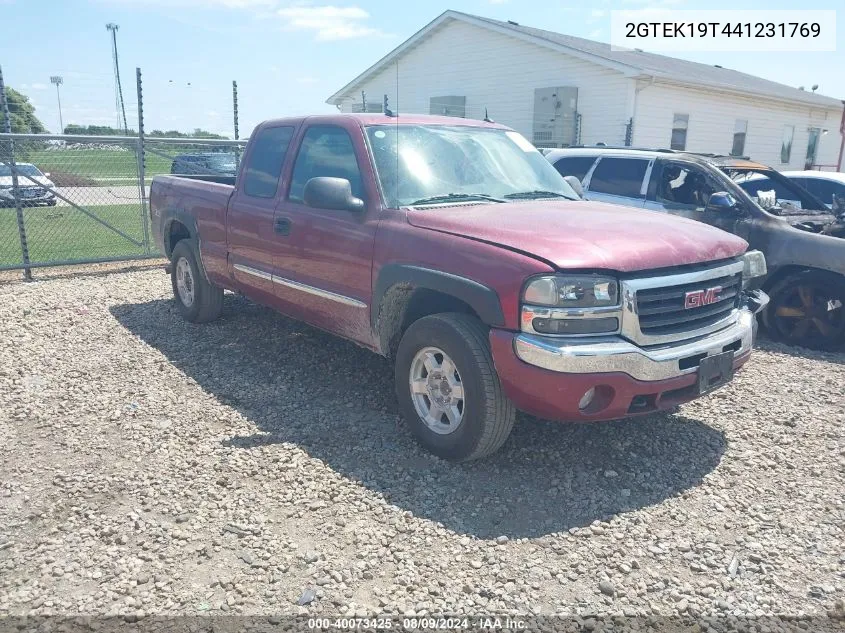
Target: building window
[448, 106]
[812, 146]
[786, 143]
[740, 129]
[679, 132]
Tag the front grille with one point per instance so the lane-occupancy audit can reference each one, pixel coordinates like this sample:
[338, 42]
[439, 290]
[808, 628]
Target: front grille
[661, 310]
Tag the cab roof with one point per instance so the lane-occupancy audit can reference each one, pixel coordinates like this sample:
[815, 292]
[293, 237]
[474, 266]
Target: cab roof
[736, 162]
[378, 118]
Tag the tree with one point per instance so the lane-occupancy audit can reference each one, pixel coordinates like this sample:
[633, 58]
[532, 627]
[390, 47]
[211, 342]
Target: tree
[95, 130]
[22, 114]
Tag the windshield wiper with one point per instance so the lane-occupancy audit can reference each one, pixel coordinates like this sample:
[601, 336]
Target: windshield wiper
[456, 197]
[539, 193]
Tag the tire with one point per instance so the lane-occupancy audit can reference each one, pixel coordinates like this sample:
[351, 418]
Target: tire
[808, 309]
[204, 301]
[486, 414]
[51, 203]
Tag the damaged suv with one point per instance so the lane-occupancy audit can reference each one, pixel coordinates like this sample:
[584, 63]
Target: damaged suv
[799, 235]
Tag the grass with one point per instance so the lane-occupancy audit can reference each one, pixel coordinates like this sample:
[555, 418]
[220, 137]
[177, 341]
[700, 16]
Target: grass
[64, 233]
[95, 166]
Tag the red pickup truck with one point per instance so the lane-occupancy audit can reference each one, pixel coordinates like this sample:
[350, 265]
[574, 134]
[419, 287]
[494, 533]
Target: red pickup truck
[454, 248]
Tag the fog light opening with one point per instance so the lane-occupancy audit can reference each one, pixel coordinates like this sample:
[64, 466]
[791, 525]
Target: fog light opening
[596, 399]
[587, 398]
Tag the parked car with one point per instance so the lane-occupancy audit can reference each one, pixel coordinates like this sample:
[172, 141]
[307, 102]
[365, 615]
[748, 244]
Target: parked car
[31, 194]
[205, 164]
[827, 186]
[452, 247]
[800, 237]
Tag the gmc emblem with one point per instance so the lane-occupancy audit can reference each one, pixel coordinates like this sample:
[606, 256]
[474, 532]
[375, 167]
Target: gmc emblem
[698, 298]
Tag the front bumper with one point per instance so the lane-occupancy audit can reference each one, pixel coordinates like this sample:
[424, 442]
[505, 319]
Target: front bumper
[548, 376]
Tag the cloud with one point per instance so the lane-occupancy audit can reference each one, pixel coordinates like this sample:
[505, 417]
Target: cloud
[38, 86]
[598, 13]
[329, 22]
[498, 1]
[595, 33]
[204, 4]
[307, 80]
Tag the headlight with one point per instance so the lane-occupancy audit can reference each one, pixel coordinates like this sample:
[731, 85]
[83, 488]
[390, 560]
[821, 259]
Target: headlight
[574, 305]
[754, 265]
[572, 291]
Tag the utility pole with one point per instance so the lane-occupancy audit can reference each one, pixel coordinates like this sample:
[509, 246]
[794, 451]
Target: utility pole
[58, 81]
[118, 98]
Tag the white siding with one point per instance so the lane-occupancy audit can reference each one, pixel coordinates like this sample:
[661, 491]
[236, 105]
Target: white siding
[711, 124]
[501, 72]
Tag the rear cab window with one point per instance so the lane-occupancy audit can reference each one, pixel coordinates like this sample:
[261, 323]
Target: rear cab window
[619, 176]
[264, 166]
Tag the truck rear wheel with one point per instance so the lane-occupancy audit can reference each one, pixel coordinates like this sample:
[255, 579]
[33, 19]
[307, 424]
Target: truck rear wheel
[448, 389]
[808, 309]
[198, 300]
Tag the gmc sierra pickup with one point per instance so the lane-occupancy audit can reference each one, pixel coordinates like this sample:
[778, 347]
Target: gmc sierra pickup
[454, 248]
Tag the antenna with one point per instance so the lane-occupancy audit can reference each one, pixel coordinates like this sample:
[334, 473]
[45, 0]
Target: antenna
[487, 116]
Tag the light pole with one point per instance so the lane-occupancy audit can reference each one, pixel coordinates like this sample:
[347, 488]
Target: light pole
[58, 81]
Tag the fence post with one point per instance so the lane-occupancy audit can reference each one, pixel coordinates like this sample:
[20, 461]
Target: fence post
[235, 115]
[27, 271]
[142, 184]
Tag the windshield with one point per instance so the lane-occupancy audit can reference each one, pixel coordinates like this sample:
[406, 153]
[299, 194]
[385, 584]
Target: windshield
[439, 163]
[223, 162]
[22, 168]
[775, 192]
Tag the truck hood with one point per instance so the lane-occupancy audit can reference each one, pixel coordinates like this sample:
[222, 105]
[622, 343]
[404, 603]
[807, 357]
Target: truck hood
[583, 234]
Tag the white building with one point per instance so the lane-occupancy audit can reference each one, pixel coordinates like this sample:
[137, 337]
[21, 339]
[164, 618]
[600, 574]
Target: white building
[560, 90]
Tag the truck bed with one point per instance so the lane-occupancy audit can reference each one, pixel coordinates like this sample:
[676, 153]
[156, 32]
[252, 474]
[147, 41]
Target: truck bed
[174, 198]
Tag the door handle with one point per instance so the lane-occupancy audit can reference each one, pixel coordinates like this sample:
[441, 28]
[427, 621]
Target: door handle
[282, 226]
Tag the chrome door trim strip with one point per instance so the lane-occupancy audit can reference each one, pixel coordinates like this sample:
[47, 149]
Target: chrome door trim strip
[317, 292]
[254, 272]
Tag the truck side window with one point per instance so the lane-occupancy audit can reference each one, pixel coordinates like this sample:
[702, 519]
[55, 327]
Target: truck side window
[326, 150]
[683, 185]
[261, 174]
[577, 166]
[619, 177]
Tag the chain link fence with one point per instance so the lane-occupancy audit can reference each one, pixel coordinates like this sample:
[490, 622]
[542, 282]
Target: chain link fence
[83, 199]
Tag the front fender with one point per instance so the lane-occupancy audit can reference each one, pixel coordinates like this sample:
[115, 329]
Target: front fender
[482, 299]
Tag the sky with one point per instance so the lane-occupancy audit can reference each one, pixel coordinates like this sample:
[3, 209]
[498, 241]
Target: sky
[289, 56]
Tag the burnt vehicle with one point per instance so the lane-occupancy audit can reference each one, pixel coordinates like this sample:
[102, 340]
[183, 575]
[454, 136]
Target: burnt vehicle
[785, 197]
[799, 235]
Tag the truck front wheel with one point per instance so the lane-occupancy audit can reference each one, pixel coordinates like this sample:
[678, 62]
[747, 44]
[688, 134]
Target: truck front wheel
[448, 389]
[198, 300]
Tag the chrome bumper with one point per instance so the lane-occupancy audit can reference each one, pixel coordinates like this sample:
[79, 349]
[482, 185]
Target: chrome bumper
[614, 354]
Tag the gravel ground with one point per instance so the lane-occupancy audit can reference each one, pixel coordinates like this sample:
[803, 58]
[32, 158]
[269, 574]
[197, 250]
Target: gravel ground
[257, 466]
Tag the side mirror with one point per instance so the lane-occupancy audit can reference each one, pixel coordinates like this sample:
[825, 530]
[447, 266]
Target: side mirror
[324, 192]
[575, 184]
[721, 201]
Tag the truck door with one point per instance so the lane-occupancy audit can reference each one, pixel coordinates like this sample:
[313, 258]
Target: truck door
[683, 189]
[249, 222]
[324, 261]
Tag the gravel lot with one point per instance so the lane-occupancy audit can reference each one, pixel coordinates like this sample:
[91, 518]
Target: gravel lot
[151, 466]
